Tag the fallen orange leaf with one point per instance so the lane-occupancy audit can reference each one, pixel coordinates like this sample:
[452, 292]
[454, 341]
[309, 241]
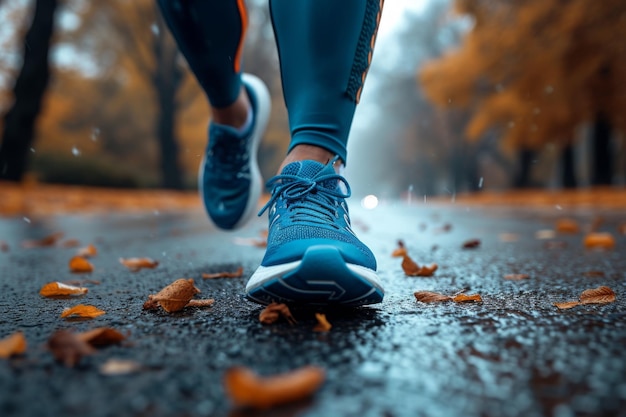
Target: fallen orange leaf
[173, 297]
[568, 226]
[412, 269]
[516, 277]
[593, 274]
[238, 273]
[67, 348]
[79, 265]
[246, 389]
[135, 264]
[273, 312]
[82, 310]
[463, 298]
[58, 289]
[49, 240]
[14, 344]
[87, 252]
[430, 297]
[599, 241]
[101, 336]
[400, 251]
[322, 323]
[600, 295]
[201, 303]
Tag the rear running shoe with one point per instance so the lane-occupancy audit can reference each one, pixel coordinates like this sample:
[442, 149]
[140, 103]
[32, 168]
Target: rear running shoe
[313, 256]
[229, 178]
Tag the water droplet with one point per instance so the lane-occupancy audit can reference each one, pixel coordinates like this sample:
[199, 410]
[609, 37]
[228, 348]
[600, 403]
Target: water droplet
[480, 182]
[26, 219]
[156, 212]
[75, 151]
[32, 150]
[95, 133]
[558, 207]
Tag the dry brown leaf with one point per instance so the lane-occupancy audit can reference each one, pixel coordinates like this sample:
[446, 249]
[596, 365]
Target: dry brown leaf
[567, 304]
[599, 241]
[135, 264]
[400, 251]
[464, 298]
[471, 244]
[101, 336]
[68, 348]
[593, 274]
[58, 289]
[14, 344]
[600, 295]
[201, 303]
[4, 246]
[274, 311]
[82, 310]
[80, 265]
[174, 297]
[322, 323]
[412, 269]
[88, 251]
[238, 273]
[49, 240]
[431, 297]
[516, 277]
[567, 226]
[246, 389]
[119, 367]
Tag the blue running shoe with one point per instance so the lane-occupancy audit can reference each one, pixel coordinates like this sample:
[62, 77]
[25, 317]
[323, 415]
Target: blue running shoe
[229, 178]
[313, 256]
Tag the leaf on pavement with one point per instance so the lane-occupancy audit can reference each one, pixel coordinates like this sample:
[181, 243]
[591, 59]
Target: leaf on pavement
[135, 264]
[225, 274]
[322, 323]
[412, 269]
[430, 297]
[471, 244]
[101, 336]
[600, 295]
[201, 303]
[14, 344]
[467, 298]
[247, 389]
[4, 246]
[82, 310]
[516, 277]
[173, 297]
[58, 289]
[599, 241]
[88, 251]
[567, 226]
[400, 251]
[79, 265]
[593, 274]
[49, 240]
[68, 348]
[114, 367]
[274, 311]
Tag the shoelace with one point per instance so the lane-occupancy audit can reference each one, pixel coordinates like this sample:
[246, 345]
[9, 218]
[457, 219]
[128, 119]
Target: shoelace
[307, 199]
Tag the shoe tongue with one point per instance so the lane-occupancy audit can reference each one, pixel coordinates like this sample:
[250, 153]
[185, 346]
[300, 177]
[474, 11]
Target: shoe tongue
[311, 169]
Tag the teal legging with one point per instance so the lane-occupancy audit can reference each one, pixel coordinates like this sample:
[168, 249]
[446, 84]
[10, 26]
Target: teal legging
[325, 48]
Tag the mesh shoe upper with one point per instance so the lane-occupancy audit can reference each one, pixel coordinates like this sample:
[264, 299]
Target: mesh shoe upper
[308, 208]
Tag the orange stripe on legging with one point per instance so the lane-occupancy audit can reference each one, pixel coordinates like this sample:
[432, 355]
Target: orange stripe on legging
[370, 54]
[244, 25]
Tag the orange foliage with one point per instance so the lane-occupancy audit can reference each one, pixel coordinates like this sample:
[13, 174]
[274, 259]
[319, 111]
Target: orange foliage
[535, 69]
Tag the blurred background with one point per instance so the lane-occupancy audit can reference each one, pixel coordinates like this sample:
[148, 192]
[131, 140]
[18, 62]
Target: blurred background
[462, 96]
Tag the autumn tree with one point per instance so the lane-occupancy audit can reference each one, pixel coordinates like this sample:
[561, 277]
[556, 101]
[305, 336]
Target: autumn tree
[28, 92]
[535, 70]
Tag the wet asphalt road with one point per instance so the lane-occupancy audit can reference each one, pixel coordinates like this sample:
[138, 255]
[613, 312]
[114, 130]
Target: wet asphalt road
[515, 354]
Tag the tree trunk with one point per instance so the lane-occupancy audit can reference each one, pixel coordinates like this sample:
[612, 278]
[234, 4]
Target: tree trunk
[526, 157]
[167, 79]
[602, 164]
[568, 171]
[30, 86]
